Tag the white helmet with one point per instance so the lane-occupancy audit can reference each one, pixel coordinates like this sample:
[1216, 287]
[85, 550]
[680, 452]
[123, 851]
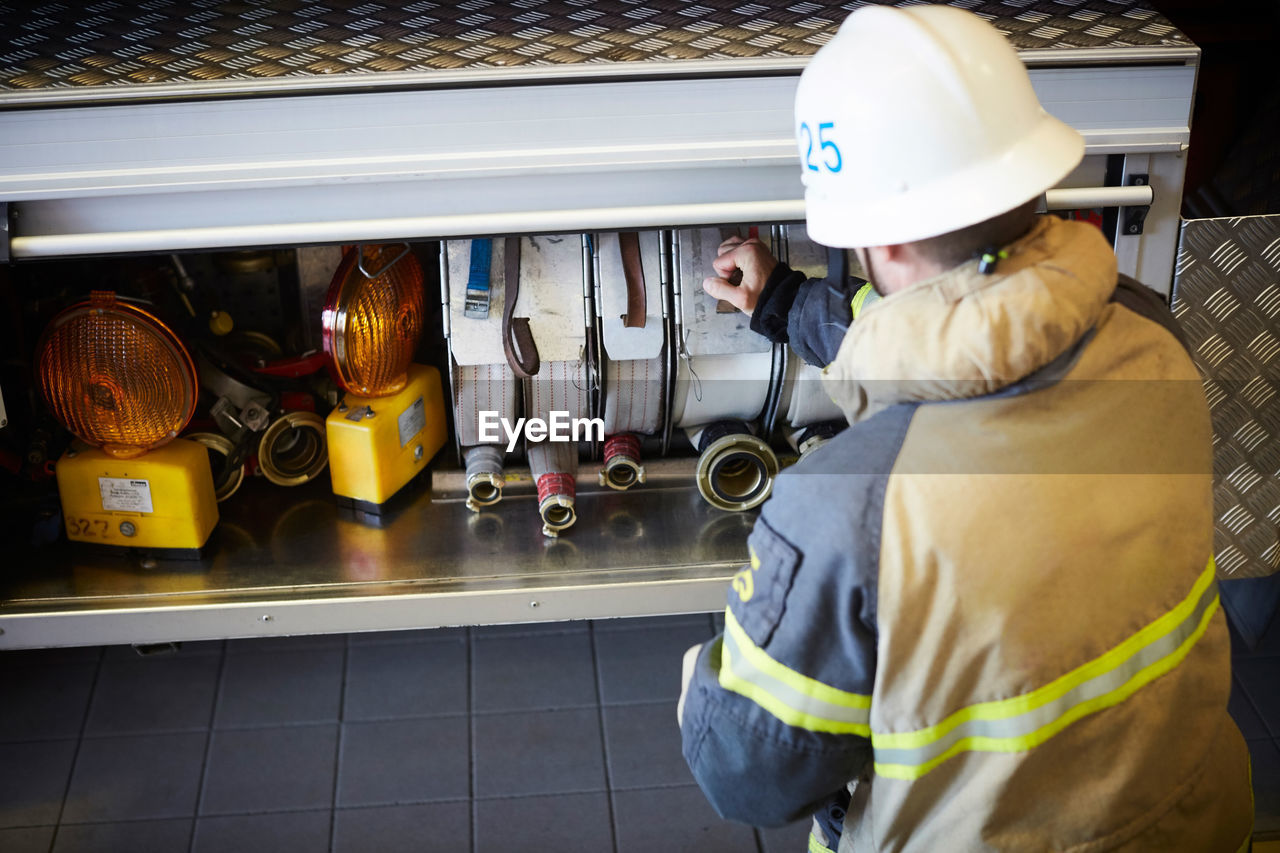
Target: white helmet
[920, 121]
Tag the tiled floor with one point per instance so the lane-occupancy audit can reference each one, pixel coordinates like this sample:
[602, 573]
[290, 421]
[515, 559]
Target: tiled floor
[557, 738]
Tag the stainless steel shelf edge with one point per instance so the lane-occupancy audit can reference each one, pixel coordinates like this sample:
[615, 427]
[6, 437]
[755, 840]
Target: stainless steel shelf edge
[512, 222]
[518, 222]
[85, 625]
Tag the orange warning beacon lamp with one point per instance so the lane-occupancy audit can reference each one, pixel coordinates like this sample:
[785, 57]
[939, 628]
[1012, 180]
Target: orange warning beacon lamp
[390, 422]
[123, 384]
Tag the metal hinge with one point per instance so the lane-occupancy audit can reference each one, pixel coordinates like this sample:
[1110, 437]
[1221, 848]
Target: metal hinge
[1133, 218]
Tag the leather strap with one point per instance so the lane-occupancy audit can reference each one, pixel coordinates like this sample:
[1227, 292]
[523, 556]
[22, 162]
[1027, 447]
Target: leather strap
[633, 271]
[517, 338]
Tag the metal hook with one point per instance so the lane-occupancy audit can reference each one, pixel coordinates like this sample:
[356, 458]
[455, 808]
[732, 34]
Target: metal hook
[388, 265]
[593, 380]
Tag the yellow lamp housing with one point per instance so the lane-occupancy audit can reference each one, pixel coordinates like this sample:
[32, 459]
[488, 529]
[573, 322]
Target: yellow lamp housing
[378, 444]
[163, 500]
[121, 381]
[391, 421]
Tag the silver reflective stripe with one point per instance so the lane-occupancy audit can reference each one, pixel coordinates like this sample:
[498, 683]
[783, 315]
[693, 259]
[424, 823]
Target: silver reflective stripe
[740, 665]
[1037, 718]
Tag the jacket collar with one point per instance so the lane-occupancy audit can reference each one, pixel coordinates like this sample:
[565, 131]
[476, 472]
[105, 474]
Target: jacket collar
[962, 334]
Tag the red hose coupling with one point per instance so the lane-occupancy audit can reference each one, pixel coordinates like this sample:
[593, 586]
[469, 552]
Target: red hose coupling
[555, 502]
[622, 468]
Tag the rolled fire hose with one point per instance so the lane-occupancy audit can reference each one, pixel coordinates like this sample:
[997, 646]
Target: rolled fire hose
[715, 397]
[485, 387]
[559, 386]
[633, 407]
[293, 449]
[736, 469]
[552, 465]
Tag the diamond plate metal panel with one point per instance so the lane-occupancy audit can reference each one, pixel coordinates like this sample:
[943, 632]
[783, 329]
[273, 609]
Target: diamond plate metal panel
[1227, 297]
[66, 45]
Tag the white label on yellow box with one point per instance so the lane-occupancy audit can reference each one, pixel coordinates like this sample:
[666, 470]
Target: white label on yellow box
[123, 495]
[411, 421]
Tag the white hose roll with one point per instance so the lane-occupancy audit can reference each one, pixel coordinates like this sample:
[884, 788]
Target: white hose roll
[721, 387]
[805, 397]
[633, 396]
[477, 388]
[560, 386]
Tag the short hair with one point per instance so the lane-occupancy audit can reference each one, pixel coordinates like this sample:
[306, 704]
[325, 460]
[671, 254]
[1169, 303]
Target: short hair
[955, 247]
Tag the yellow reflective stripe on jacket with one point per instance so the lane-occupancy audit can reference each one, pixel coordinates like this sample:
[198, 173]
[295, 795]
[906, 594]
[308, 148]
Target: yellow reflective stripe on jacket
[1023, 722]
[860, 299]
[796, 699]
[816, 846]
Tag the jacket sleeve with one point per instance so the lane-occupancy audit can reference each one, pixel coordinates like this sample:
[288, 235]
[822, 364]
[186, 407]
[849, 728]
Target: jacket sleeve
[777, 712]
[810, 314]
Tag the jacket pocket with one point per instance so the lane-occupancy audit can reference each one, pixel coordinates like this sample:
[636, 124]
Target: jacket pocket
[760, 590]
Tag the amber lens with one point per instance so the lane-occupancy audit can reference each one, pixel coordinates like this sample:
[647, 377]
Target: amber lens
[372, 324]
[116, 377]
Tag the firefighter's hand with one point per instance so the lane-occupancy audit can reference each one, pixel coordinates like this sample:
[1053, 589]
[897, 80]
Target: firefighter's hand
[686, 675]
[742, 267]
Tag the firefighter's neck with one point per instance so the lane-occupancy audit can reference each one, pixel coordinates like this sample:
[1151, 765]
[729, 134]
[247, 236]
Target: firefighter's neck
[894, 268]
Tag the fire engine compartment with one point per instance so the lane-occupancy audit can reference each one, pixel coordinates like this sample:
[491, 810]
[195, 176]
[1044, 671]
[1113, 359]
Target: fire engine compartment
[103, 183]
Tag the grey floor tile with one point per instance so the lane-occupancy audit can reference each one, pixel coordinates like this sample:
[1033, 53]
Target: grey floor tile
[261, 770]
[1260, 678]
[1242, 711]
[272, 688]
[135, 778]
[642, 743]
[532, 672]
[638, 623]
[644, 666]
[44, 701]
[385, 681]
[382, 638]
[12, 658]
[33, 780]
[544, 824]
[792, 838]
[675, 820]
[26, 839]
[153, 836]
[403, 761]
[308, 642]
[1265, 756]
[286, 832]
[422, 828]
[538, 752]
[525, 629]
[154, 695]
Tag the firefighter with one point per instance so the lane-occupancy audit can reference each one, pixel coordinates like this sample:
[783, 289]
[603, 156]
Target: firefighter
[983, 617]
